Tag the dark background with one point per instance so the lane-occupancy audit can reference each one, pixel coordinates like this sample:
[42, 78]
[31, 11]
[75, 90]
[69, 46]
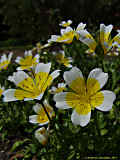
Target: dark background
[29, 21]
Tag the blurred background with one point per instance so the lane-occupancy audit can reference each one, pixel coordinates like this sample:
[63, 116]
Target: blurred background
[24, 22]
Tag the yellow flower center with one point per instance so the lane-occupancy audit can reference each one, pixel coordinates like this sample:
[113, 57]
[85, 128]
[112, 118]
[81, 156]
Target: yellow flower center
[84, 97]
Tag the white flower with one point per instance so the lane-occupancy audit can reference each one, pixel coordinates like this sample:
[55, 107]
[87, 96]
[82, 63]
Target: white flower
[39, 47]
[4, 61]
[41, 135]
[28, 61]
[60, 58]
[30, 88]
[86, 38]
[85, 96]
[41, 117]
[67, 34]
[65, 24]
[104, 39]
[60, 88]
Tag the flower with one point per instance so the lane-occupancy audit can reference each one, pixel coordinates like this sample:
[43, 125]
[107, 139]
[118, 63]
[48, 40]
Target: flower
[115, 50]
[4, 61]
[41, 135]
[67, 34]
[1, 90]
[60, 58]
[85, 96]
[41, 117]
[86, 38]
[60, 88]
[39, 47]
[104, 39]
[28, 61]
[30, 87]
[65, 24]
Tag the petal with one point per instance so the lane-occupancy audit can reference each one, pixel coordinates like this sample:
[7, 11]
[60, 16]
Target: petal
[80, 26]
[20, 68]
[33, 119]
[3, 58]
[63, 22]
[41, 67]
[10, 56]
[61, 85]
[53, 89]
[81, 120]
[96, 80]
[60, 100]
[18, 77]
[55, 74]
[28, 53]
[69, 66]
[48, 107]
[9, 95]
[68, 29]
[28, 99]
[17, 60]
[105, 32]
[109, 98]
[37, 56]
[85, 37]
[41, 135]
[96, 99]
[62, 31]
[69, 21]
[39, 97]
[74, 79]
[53, 38]
[71, 75]
[37, 107]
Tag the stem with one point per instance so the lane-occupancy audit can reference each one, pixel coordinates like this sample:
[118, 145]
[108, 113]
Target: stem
[96, 124]
[33, 74]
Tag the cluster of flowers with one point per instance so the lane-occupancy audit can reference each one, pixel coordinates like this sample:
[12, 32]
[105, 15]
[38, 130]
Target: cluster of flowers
[110, 46]
[76, 93]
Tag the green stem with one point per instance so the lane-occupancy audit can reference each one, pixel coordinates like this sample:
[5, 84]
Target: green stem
[96, 124]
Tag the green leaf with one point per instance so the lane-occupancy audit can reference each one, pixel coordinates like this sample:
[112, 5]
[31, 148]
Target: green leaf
[18, 144]
[72, 154]
[104, 131]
